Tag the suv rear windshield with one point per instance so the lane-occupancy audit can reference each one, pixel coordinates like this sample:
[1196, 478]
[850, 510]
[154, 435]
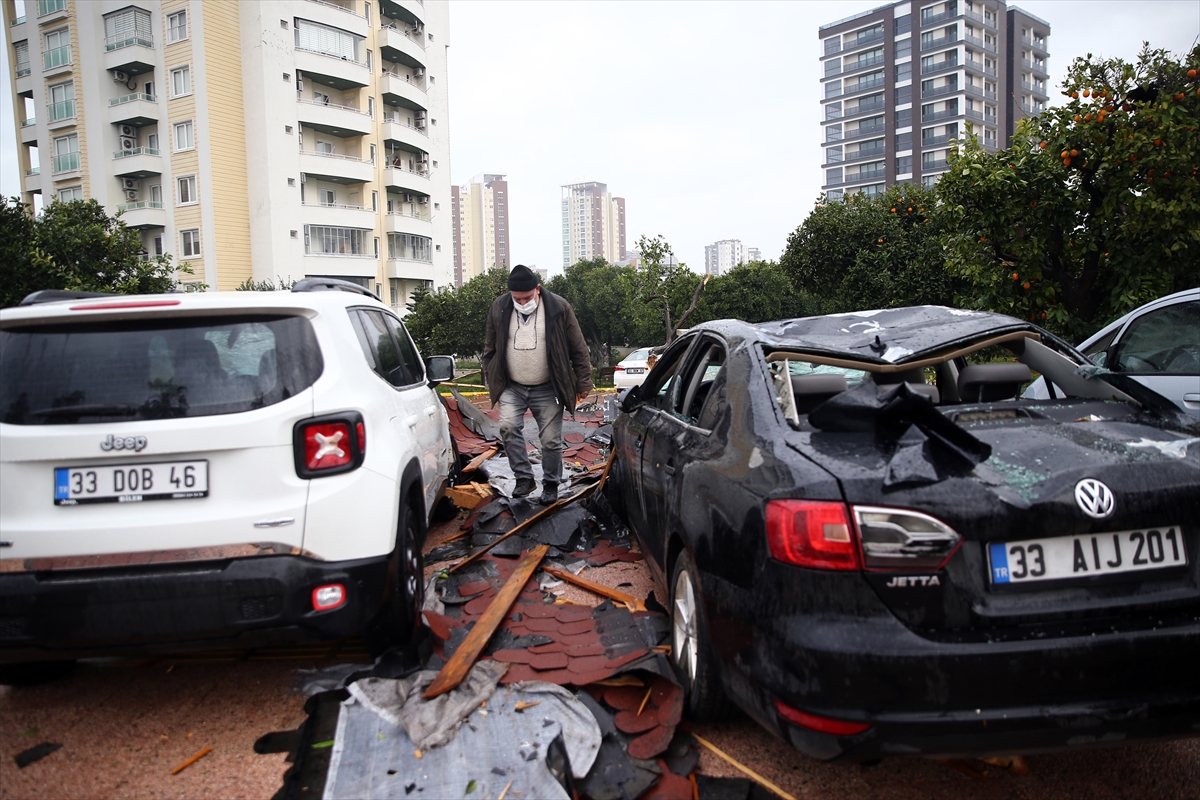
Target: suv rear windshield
[153, 369]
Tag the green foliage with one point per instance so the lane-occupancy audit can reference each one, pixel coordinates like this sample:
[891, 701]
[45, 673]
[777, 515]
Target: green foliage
[269, 285]
[1073, 241]
[864, 253]
[671, 290]
[760, 291]
[75, 246]
[602, 296]
[454, 320]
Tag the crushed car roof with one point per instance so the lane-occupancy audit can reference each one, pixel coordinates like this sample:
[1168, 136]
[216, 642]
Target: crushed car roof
[883, 336]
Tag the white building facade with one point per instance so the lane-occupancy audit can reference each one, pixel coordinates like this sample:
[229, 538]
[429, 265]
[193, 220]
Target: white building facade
[481, 234]
[593, 223]
[722, 256]
[267, 140]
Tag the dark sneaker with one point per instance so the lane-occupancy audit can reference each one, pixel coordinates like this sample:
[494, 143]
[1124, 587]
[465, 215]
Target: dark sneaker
[549, 494]
[524, 486]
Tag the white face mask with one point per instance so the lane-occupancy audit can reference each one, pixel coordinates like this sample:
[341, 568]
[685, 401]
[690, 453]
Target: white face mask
[526, 308]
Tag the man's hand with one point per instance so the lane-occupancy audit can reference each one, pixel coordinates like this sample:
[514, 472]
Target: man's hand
[582, 397]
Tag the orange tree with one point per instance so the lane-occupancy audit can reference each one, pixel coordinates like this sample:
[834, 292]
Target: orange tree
[1094, 209]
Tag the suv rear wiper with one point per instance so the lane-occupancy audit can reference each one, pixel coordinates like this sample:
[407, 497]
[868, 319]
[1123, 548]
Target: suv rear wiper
[93, 410]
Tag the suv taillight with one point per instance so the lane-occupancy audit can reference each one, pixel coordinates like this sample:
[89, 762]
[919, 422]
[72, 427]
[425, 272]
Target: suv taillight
[329, 445]
[811, 533]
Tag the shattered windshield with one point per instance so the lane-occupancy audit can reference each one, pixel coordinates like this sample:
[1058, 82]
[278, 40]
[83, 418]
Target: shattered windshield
[853, 376]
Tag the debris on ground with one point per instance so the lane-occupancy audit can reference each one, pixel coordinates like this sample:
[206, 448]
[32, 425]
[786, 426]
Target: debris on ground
[35, 753]
[203, 752]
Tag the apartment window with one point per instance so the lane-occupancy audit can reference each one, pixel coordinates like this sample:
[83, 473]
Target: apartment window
[177, 26]
[326, 197]
[326, 40]
[903, 165]
[66, 153]
[903, 24]
[904, 71]
[62, 101]
[374, 201]
[183, 136]
[324, 148]
[903, 48]
[367, 12]
[863, 36]
[372, 154]
[185, 191]
[904, 95]
[904, 141]
[377, 256]
[57, 50]
[127, 27]
[189, 243]
[331, 241]
[152, 141]
[70, 193]
[156, 197]
[181, 81]
[833, 176]
[409, 247]
[21, 58]
[904, 117]
[158, 246]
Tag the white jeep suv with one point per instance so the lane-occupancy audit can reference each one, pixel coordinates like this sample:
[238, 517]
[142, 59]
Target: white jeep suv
[219, 469]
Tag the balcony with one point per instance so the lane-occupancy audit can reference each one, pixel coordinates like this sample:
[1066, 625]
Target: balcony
[832, 91]
[29, 131]
[860, 132]
[1034, 88]
[863, 41]
[17, 21]
[400, 90]
[975, 41]
[977, 66]
[937, 141]
[1039, 67]
[411, 10]
[936, 19]
[136, 57]
[864, 155]
[415, 222]
[335, 16]
[1036, 44]
[67, 162]
[336, 167]
[937, 44]
[934, 69]
[51, 11]
[143, 214]
[137, 109]
[402, 44]
[140, 162]
[407, 180]
[56, 60]
[832, 135]
[339, 215]
[978, 19]
[940, 91]
[832, 113]
[333, 70]
[336, 120]
[833, 69]
[864, 108]
[410, 137]
[862, 63]
[950, 113]
[832, 159]
[979, 116]
[934, 165]
[409, 269]
[975, 91]
[61, 113]
[362, 265]
[863, 86]
[875, 174]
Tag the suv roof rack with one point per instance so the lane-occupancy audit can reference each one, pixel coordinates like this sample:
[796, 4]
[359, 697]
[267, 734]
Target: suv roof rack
[56, 295]
[331, 285]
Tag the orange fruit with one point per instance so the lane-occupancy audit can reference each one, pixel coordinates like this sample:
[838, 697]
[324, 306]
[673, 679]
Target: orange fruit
[1158, 142]
[1043, 145]
[1066, 153]
[1033, 205]
[1025, 285]
[983, 238]
[881, 241]
[1180, 96]
[1016, 276]
[1074, 153]
[1087, 92]
[1191, 73]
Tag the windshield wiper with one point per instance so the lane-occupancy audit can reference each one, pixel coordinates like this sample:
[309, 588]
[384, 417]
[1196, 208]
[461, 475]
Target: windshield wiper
[92, 410]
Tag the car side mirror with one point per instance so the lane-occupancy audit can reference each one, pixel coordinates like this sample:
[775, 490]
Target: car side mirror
[632, 399]
[1100, 359]
[439, 368]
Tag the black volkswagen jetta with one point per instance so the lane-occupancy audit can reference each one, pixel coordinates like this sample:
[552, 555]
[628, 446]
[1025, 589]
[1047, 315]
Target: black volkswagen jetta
[875, 548]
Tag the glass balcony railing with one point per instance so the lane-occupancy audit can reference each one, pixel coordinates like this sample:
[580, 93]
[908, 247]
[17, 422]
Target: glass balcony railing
[26, 123]
[58, 57]
[63, 110]
[33, 171]
[130, 98]
[120, 40]
[67, 162]
[139, 204]
[136, 151]
[22, 71]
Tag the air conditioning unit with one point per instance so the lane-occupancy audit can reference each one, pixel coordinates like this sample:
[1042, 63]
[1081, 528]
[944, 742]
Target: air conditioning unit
[128, 130]
[418, 72]
[128, 143]
[129, 184]
[425, 200]
[120, 77]
[408, 198]
[419, 116]
[424, 159]
[131, 194]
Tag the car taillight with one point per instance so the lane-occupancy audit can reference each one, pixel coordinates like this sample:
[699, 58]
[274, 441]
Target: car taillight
[899, 539]
[329, 445]
[811, 534]
[619, 368]
[837, 727]
[329, 596]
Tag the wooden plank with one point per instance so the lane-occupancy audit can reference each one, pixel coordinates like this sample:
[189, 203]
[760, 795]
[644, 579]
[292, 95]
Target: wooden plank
[754, 776]
[456, 669]
[479, 459]
[628, 600]
[463, 498]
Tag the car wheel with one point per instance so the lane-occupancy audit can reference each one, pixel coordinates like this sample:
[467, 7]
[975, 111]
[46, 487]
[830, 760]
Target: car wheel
[691, 651]
[397, 621]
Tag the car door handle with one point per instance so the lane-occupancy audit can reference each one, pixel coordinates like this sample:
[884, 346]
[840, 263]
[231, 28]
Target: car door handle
[669, 468]
[412, 420]
[1192, 397]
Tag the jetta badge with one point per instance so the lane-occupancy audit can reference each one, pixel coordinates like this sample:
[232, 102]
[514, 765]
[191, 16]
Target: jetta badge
[1094, 498]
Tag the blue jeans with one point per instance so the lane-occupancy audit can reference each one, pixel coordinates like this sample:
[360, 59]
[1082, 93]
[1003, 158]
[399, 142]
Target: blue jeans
[548, 413]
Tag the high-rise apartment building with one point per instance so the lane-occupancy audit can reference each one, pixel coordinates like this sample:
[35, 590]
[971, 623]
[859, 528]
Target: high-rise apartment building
[593, 223]
[901, 81]
[264, 140]
[722, 256]
[481, 236]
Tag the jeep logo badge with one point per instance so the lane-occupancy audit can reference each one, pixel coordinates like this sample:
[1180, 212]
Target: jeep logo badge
[135, 443]
[1094, 498]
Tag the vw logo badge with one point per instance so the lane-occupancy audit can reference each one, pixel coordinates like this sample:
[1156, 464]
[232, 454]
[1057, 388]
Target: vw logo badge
[1094, 498]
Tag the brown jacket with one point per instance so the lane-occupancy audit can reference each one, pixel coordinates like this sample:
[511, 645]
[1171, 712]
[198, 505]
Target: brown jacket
[570, 366]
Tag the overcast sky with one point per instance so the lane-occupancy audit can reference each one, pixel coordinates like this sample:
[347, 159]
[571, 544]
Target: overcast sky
[702, 115]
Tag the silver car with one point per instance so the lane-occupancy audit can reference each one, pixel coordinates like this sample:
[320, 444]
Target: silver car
[1157, 344]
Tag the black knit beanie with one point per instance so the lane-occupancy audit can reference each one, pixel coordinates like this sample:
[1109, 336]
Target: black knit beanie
[522, 279]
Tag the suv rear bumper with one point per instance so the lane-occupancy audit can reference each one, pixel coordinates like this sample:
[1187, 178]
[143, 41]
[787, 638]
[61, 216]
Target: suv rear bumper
[241, 602]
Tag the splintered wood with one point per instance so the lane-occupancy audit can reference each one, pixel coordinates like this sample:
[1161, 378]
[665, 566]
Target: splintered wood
[469, 495]
[627, 600]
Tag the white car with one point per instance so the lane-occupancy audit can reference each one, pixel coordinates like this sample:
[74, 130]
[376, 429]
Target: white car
[632, 369]
[1157, 345]
[212, 469]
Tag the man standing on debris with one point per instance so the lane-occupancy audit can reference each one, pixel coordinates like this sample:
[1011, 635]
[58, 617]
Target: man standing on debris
[536, 359]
